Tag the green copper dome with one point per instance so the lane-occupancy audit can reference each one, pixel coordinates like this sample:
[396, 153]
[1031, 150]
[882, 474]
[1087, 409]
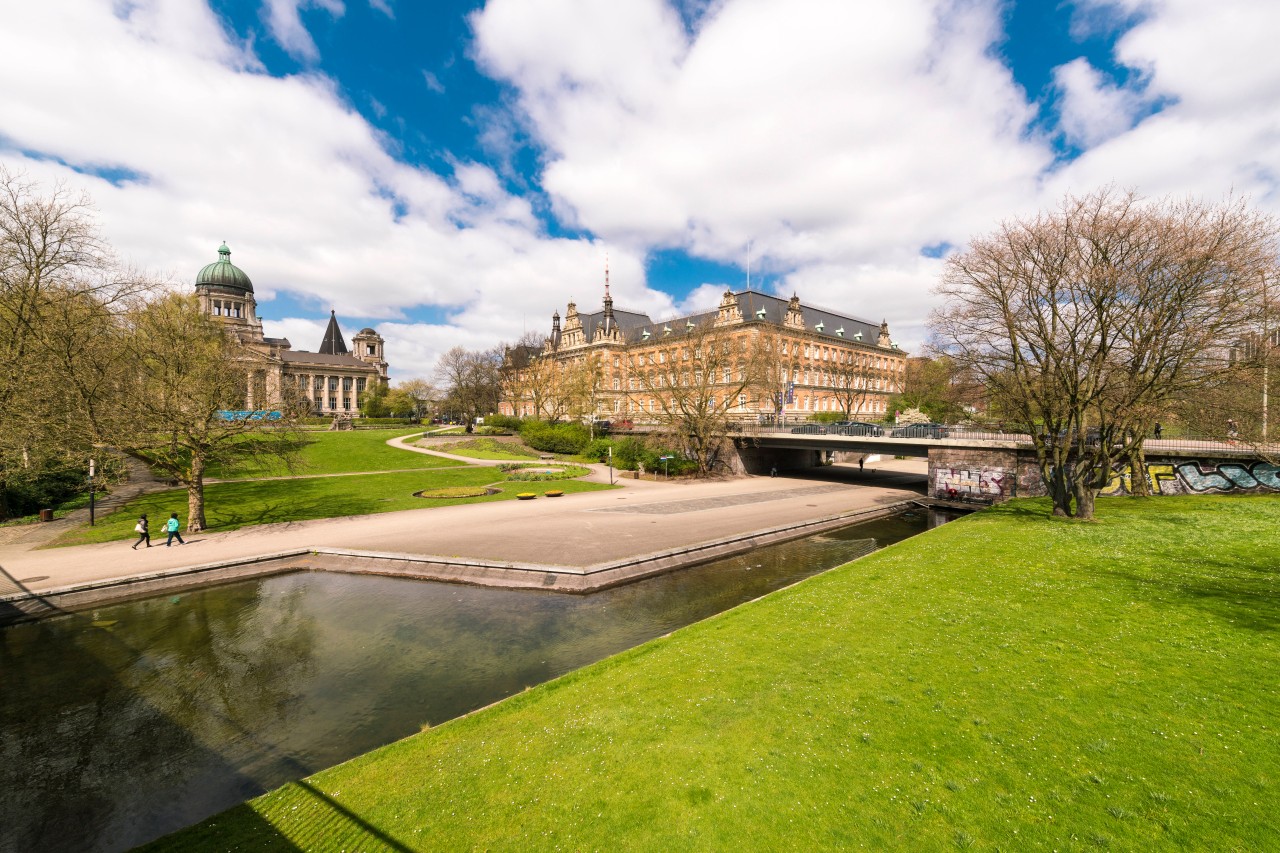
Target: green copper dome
[223, 273]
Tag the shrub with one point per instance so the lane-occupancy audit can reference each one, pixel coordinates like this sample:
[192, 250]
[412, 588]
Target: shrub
[492, 430]
[314, 421]
[568, 438]
[381, 421]
[505, 422]
[627, 452]
[598, 449]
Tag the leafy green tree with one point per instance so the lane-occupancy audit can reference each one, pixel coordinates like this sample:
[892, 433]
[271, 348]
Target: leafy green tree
[373, 402]
[179, 401]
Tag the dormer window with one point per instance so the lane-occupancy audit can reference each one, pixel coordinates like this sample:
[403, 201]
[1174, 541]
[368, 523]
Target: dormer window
[818, 327]
[645, 334]
[840, 331]
[857, 336]
[761, 313]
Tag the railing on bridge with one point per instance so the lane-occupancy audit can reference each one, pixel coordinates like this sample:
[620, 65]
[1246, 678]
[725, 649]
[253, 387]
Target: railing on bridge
[1183, 443]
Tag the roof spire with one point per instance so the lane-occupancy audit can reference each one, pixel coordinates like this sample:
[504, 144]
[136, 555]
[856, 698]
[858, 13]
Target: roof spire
[333, 344]
[608, 300]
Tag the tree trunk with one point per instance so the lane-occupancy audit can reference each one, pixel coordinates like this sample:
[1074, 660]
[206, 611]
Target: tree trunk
[1139, 485]
[195, 496]
[1084, 500]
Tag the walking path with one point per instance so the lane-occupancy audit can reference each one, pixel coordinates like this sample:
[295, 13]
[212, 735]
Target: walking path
[577, 530]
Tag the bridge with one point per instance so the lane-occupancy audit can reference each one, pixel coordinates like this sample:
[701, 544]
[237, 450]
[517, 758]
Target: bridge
[991, 466]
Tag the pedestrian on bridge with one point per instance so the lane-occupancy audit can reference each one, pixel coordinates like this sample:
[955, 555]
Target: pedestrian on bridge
[1157, 430]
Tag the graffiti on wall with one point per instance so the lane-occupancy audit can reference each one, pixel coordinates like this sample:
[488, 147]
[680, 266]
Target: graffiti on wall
[985, 483]
[1198, 477]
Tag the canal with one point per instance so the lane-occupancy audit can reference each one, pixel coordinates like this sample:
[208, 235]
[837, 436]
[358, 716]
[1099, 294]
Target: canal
[136, 719]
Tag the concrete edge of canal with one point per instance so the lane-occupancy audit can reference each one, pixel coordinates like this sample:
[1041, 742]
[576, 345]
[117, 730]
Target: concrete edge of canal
[30, 606]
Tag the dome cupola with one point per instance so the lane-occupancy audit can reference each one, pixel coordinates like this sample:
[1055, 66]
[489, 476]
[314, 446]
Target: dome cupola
[223, 273]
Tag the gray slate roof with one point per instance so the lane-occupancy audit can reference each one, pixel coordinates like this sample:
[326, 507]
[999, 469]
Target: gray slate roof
[323, 359]
[750, 302]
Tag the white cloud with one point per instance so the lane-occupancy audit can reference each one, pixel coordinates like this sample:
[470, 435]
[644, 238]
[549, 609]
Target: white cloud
[839, 137]
[1092, 108]
[834, 135]
[1217, 68]
[298, 184]
[433, 82]
[284, 20]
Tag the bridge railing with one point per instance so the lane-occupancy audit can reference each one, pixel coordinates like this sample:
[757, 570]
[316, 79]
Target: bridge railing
[1182, 443]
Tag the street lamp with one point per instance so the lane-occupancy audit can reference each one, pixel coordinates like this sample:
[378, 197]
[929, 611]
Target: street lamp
[91, 473]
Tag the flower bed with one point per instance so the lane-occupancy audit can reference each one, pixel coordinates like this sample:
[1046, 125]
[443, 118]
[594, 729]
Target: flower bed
[457, 492]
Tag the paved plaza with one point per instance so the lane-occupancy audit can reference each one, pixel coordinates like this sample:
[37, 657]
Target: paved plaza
[576, 530]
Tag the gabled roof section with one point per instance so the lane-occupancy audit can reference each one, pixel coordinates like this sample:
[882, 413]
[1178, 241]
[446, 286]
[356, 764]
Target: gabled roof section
[817, 320]
[625, 320]
[333, 344]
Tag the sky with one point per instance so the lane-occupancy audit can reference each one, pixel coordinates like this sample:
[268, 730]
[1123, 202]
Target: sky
[451, 173]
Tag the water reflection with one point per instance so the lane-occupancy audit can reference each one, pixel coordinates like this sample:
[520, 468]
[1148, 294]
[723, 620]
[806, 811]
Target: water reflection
[143, 717]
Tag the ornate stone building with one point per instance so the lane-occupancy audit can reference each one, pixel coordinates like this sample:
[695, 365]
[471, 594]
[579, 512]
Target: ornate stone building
[817, 360]
[331, 379]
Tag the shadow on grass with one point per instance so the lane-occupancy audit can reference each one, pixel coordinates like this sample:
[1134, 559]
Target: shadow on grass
[328, 825]
[1244, 597]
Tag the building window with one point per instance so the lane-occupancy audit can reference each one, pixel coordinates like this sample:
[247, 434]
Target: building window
[370, 349]
[333, 384]
[346, 385]
[360, 384]
[616, 383]
[346, 404]
[742, 402]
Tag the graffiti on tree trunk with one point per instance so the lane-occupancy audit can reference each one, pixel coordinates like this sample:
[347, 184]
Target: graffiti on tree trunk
[1198, 477]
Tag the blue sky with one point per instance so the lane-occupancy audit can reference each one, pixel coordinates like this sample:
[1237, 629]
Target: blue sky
[453, 172]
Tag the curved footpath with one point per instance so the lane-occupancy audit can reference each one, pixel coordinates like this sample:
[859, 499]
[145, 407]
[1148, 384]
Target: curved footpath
[548, 543]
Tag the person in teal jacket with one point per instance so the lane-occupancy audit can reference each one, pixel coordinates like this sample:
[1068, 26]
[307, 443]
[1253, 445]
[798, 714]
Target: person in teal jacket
[171, 527]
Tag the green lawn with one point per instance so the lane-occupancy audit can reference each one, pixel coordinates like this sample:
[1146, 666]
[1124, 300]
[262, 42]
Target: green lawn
[342, 453]
[239, 504]
[1007, 681]
[487, 448]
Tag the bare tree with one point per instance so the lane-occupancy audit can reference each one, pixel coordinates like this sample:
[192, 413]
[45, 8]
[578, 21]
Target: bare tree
[472, 380]
[1086, 322]
[532, 380]
[423, 393]
[61, 291]
[695, 378]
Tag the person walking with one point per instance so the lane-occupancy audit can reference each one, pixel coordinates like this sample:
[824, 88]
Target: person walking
[171, 527]
[1157, 430]
[861, 460]
[1233, 429]
[143, 531]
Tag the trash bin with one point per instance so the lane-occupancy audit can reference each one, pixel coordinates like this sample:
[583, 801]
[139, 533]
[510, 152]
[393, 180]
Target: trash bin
[46, 515]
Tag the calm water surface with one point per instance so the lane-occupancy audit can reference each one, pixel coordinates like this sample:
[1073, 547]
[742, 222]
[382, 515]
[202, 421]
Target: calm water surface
[122, 724]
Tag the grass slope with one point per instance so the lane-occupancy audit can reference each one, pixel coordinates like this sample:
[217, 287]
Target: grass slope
[342, 453]
[232, 505]
[1006, 681]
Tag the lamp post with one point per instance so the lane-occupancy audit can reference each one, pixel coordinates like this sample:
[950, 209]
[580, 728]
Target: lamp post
[91, 473]
[611, 465]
